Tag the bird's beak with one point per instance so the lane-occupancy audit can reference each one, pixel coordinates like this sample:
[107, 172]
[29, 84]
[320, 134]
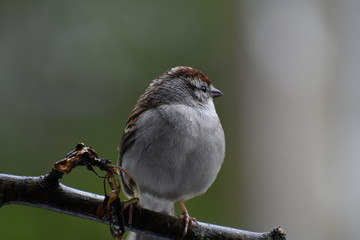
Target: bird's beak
[216, 93]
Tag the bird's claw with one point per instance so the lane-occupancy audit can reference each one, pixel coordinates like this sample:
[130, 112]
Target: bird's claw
[187, 220]
[131, 203]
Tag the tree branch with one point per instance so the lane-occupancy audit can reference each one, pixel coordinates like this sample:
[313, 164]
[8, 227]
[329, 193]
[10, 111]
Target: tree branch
[46, 192]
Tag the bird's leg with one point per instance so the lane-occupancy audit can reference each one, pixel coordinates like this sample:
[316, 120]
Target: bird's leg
[185, 217]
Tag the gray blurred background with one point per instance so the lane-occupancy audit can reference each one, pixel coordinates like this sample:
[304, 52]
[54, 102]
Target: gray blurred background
[72, 71]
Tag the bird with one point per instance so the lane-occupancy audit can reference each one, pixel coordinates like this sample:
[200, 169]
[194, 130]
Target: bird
[173, 144]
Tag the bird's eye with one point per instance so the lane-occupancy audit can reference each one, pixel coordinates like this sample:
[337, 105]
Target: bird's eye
[204, 88]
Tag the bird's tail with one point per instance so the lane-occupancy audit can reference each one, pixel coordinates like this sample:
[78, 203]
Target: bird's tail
[157, 205]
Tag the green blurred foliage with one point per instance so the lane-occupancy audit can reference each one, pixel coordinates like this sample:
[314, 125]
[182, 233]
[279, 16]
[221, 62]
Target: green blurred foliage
[71, 71]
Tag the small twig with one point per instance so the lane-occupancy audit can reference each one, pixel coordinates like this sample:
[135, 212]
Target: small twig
[111, 207]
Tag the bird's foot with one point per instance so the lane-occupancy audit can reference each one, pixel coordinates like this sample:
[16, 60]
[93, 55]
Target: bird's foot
[185, 218]
[130, 204]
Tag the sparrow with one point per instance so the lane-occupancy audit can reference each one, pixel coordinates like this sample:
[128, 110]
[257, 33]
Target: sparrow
[174, 143]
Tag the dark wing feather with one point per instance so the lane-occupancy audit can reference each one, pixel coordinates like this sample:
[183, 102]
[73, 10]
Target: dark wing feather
[145, 102]
[128, 137]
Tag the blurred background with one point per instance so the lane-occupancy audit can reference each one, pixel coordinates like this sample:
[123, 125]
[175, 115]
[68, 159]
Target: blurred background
[71, 71]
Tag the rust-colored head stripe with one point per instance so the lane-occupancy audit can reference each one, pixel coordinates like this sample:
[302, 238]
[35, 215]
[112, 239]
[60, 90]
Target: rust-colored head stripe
[187, 72]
